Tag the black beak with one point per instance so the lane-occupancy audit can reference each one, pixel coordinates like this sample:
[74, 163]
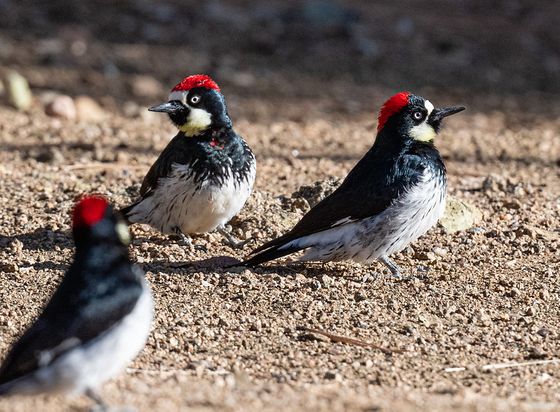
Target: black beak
[438, 114]
[169, 107]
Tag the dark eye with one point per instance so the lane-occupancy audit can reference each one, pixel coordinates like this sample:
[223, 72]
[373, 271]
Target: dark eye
[417, 115]
[194, 99]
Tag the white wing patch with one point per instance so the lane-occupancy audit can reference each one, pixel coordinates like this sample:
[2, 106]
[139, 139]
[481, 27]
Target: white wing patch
[343, 221]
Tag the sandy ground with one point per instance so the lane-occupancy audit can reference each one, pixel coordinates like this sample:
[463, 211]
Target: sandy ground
[226, 340]
[236, 340]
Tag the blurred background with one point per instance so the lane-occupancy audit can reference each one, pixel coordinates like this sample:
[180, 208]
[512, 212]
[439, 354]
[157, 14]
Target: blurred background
[500, 54]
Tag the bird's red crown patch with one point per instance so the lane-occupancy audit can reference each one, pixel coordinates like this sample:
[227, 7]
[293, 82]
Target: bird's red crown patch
[392, 106]
[89, 211]
[196, 80]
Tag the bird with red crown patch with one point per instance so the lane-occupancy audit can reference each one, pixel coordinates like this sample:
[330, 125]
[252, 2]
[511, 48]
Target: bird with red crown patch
[96, 322]
[392, 196]
[206, 173]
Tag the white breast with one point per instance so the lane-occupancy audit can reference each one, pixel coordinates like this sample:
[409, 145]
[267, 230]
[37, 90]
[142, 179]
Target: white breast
[194, 206]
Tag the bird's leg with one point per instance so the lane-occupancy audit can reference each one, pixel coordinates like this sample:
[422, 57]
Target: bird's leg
[393, 267]
[100, 405]
[230, 239]
[187, 240]
[395, 270]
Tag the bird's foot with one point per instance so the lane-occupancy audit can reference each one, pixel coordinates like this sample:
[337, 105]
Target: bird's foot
[185, 240]
[396, 271]
[100, 405]
[231, 241]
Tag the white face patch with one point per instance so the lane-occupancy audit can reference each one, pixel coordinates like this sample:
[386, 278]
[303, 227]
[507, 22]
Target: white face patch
[123, 233]
[424, 132]
[198, 120]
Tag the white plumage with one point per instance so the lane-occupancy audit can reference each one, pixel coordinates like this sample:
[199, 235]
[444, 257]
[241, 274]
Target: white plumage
[182, 202]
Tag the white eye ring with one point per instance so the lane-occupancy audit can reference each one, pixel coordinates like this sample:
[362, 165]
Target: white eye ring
[417, 115]
[194, 99]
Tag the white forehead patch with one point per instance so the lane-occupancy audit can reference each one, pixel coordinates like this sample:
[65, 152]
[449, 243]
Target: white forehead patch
[429, 106]
[180, 95]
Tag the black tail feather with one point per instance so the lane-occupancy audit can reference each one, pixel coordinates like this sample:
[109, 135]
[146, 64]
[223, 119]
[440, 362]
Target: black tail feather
[269, 254]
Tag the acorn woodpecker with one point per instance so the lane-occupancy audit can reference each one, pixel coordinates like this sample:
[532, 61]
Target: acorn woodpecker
[96, 322]
[392, 196]
[205, 174]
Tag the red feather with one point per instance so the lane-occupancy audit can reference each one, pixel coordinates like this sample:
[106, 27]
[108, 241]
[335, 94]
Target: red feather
[392, 106]
[196, 80]
[89, 211]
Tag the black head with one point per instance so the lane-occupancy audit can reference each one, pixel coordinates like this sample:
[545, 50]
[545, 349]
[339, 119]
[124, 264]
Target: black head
[95, 222]
[411, 117]
[196, 105]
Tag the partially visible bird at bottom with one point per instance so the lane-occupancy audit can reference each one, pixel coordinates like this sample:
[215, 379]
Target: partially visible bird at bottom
[96, 322]
[393, 195]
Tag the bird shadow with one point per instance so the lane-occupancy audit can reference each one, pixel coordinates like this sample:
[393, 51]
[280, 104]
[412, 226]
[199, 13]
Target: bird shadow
[230, 265]
[212, 264]
[39, 239]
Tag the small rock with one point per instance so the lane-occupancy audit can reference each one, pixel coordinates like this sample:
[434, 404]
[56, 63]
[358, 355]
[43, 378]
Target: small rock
[429, 256]
[61, 106]
[513, 204]
[440, 251]
[513, 292]
[301, 204]
[88, 110]
[315, 284]
[333, 375]
[536, 353]
[19, 93]
[544, 332]
[538, 233]
[8, 267]
[544, 294]
[146, 86]
[49, 155]
[459, 215]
